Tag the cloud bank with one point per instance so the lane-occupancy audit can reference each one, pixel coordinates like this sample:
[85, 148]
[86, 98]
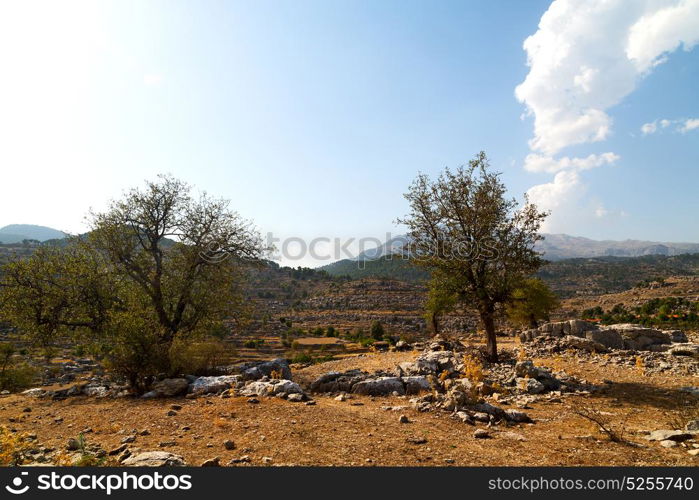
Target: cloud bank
[585, 58]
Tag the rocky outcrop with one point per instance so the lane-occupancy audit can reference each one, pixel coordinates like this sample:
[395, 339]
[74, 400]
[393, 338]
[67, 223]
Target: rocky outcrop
[271, 388]
[276, 368]
[382, 386]
[207, 385]
[620, 336]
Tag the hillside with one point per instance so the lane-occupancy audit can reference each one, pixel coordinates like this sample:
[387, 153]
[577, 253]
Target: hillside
[564, 246]
[569, 277]
[16, 233]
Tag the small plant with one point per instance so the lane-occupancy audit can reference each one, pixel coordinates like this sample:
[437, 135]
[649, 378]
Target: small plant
[13, 446]
[640, 365]
[614, 432]
[473, 368]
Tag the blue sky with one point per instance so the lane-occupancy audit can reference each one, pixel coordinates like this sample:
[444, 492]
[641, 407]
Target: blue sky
[314, 117]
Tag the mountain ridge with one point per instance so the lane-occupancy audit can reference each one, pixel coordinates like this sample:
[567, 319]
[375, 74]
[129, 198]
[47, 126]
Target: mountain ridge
[559, 246]
[15, 233]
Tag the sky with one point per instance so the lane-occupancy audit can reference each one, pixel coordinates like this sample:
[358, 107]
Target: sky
[313, 117]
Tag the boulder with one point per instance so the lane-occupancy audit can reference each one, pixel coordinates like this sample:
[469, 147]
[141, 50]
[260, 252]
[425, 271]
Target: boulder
[530, 385]
[36, 392]
[517, 416]
[676, 336]
[526, 369]
[672, 435]
[271, 388]
[168, 388]
[584, 344]
[98, 391]
[684, 350]
[154, 459]
[608, 338]
[206, 385]
[430, 363]
[338, 382]
[574, 327]
[639, 338]
[416, 384]
[277, 368]
[382, 386]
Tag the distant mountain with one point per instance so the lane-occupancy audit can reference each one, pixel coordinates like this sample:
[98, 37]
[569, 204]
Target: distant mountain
[15, 233]
[563, 246]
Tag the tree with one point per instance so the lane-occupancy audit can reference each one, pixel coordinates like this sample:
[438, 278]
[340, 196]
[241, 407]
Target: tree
[440, 300]
[530, 303]
[159, 266]
[462, 226]
[377, 330]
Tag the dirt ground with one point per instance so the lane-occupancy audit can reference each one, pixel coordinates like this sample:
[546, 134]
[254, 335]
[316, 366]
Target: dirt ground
[361, 431]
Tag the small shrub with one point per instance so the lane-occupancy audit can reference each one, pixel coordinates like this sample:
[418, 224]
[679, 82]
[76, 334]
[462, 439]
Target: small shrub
[377, 330]
[473, 368]
[199, 358]
[13, 446]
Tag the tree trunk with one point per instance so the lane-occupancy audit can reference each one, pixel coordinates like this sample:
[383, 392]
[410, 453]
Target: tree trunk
[532, 321]
[491, 340]
[435, 324]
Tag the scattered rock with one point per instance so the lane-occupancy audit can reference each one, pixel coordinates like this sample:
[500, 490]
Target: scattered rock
[229, 445]
[212, 462]
[154, 459]
[663, 435]
[403, 419]
[481, 434]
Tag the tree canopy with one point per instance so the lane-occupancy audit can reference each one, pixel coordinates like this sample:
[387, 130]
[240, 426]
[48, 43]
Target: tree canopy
[480, 242]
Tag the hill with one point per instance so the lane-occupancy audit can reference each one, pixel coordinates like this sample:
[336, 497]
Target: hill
[564, 246]
[16, 233]
[568, 277]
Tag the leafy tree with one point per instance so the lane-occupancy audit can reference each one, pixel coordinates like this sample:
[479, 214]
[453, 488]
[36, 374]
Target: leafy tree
[463, 226]
[530, 303]
[377, 331]
[158, 266]
[440, 300]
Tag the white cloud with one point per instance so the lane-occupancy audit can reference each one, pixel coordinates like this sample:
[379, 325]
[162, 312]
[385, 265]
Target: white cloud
[649, 128]
[587, 56]
[542, 163]
[552, 194]
[662, 31]
[684, 125]
[601, 211]
[690, 124]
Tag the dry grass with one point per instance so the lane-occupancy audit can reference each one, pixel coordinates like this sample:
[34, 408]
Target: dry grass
[340, 433]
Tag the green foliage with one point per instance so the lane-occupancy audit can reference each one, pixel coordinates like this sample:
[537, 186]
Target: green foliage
[463, 226]
[129, 287]
[441, 299]
[14, 375]
[377, 331]
[530, 303]
[253, 343]
[666, 312]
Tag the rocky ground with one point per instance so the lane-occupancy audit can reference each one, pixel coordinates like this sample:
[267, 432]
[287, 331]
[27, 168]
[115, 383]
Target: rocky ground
[548, 402]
